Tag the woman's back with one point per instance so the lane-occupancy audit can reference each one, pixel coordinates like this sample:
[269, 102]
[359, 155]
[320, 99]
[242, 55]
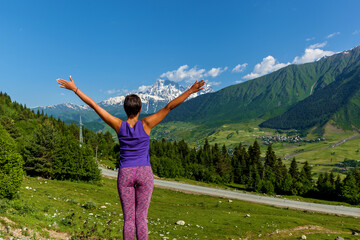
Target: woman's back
[134, 145]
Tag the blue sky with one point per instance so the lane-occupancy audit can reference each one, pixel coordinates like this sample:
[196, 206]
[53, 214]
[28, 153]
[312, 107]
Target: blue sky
[111, 47]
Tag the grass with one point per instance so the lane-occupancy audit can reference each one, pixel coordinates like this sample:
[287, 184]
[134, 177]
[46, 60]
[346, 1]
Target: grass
[83, 210]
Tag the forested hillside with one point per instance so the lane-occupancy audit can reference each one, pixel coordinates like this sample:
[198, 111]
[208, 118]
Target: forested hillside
[50, 148]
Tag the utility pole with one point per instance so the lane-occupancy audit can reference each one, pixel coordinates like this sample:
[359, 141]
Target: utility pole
[81, 135]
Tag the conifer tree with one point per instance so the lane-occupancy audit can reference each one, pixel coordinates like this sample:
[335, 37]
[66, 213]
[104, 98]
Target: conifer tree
[270, 158]
[293, 170]
[350, 190]
[307, 171]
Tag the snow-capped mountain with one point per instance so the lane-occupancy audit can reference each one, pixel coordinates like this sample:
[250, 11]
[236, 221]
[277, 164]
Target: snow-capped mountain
[156, 96]
[152, 97]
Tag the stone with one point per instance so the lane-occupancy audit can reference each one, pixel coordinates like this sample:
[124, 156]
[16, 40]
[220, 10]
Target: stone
[247, 215]
[180, 222]
[355, 233]
[339, 238]
[103, 207]
[303, 237]
[230, 200]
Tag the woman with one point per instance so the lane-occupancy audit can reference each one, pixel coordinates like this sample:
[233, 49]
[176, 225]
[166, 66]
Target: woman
[135, 178]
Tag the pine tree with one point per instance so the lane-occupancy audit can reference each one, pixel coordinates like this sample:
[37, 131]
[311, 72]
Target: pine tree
[270, 157]
[39, 150]
[307, 171]
[293, 170]
[350, 190]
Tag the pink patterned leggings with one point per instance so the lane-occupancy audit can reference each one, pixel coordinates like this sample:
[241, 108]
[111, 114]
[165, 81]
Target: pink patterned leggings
[135, 186]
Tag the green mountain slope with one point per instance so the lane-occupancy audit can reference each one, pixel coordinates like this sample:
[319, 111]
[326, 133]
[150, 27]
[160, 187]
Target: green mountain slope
[339, 101]
[268, 96]
[317, 109]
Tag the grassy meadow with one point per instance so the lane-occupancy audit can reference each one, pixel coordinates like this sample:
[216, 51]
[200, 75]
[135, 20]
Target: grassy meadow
[50, 209]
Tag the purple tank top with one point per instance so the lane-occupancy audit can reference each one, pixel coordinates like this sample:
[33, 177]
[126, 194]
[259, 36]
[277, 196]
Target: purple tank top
[134, 145]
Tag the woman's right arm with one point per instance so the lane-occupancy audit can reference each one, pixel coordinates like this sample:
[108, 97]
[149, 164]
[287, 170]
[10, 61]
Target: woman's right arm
[112, 121]
[156, 118]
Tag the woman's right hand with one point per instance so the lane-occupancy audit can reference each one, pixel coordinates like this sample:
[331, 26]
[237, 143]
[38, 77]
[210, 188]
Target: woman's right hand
[67, 84]
[197, 86]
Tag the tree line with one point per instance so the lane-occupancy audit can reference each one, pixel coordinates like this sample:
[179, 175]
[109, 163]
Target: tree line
[40, 145]
[245, 166]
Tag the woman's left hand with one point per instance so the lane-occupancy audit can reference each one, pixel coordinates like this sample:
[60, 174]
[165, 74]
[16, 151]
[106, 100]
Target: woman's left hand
[67, 84]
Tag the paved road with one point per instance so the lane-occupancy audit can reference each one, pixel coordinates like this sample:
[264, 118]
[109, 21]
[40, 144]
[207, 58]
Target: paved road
[280, 202]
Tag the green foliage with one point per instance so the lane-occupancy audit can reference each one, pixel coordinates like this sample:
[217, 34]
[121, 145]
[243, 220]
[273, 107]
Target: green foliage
[49, 147]
[11, 172]
[89, 205]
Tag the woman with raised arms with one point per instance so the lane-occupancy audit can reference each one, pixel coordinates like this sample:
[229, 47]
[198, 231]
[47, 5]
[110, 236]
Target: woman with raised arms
[135, 178]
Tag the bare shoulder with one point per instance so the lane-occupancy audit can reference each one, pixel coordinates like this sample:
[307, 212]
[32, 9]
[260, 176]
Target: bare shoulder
[117, 124]
[146, 126]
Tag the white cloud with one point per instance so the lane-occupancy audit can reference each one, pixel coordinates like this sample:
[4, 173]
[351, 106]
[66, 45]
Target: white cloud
[311, 55]
[318, 45]
[112, 91]
[332, 35]
[184, 73]
[214, 72]
[268, 65]
[357, 31]
[213, 83]
[239, 68]
[310, 39]
[143, 88]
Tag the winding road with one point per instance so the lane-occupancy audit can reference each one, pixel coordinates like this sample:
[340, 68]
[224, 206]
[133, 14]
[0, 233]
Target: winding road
[279, 202]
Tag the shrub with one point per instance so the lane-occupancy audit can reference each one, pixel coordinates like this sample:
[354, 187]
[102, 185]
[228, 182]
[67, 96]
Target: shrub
[11, 172]
[89, 205]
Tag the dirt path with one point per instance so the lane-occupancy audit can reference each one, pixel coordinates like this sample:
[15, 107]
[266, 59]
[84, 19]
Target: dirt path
[280, 202]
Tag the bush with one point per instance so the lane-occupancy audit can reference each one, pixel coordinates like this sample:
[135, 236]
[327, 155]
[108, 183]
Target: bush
[89, 205]
[11, 172]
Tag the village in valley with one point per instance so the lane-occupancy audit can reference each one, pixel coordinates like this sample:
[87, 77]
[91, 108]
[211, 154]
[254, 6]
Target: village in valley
[297, 139]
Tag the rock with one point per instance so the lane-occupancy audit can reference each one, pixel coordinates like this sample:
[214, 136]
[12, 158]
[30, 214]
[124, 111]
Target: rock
[230, 200]
[55, 225]
[180, 222]
[247, 215]
[303, 237]
[355, 233]
[103, 207]
[339, 238]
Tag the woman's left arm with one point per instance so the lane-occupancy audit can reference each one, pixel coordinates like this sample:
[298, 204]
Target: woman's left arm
[112, 121]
